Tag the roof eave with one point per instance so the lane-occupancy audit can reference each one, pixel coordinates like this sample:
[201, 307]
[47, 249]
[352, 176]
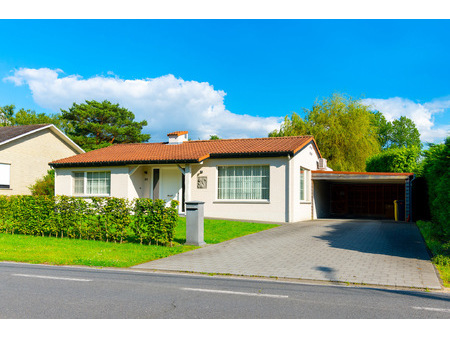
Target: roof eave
[117, 163]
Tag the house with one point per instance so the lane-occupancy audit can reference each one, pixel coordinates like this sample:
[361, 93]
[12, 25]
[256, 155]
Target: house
[25, 152]
[280, 179]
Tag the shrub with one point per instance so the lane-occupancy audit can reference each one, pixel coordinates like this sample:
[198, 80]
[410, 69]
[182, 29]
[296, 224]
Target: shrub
[105, 218]
[45, 185]
[436, 166]
[396, 160]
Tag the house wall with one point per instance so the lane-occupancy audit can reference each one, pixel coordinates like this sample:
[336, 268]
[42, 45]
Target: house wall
[273, 210]
[120, 180]
[306, 158]
[29, 157]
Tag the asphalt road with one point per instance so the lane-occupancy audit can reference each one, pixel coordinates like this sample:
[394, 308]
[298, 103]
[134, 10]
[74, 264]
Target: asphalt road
[39, 291]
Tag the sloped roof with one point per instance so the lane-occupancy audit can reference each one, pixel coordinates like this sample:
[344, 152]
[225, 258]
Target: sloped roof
[11, 133]
[188, 152]
[8, 133]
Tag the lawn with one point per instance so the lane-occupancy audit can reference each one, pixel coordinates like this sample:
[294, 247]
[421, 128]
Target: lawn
[31, 249]
[440, 248]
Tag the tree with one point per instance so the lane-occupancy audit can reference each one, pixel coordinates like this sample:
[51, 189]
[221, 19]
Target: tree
[405, 133]
[396, 160]
[94, 125]
[6, 112]
[214, 137]
[396, 134]
[343, 129]
[8, 117]
[384, 129]
[44, 185]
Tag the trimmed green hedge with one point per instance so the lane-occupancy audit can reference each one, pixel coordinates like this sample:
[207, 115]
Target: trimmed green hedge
[106, 219]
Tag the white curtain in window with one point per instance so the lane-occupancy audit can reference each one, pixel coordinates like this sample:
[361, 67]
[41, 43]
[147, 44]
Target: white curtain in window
[243, 182]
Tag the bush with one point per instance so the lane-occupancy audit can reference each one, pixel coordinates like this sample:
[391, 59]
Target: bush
[436, 170]
[107, 219]
[396, 160]
[45, 185]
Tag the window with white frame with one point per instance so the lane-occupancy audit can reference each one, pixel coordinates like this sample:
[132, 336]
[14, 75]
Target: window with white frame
[5, 175]
[92, 183]
[304, 184]
[243, 182]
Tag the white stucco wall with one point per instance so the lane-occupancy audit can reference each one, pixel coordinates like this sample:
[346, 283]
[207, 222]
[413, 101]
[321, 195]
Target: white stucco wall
[274, 210]
[120, 180]
[284, 182]
[29, 157]
[307, 158]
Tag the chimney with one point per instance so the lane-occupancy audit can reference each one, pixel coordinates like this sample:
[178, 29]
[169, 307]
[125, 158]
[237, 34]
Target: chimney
[177, 137]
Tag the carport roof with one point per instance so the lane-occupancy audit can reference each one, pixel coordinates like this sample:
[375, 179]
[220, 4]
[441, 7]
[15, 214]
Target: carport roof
[366, 177]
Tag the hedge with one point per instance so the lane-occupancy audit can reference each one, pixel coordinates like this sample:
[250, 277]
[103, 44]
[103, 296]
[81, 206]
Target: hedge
[107, 219]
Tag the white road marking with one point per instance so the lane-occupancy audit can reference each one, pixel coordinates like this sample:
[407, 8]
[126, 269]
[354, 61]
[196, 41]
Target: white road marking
[431, 309]
[236, 293]
[51, 277]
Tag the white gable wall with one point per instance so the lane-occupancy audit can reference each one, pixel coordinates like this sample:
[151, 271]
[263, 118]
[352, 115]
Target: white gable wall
[306, 158]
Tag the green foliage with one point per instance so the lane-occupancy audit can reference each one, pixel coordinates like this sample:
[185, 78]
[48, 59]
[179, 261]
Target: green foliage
[6, 113]
[44, 185]
[149, 213]
[343, 129]
[8, 117]
[399, 133]
[396, 160]
[107, 219]
[436, 166]
[95, 125]
[214, 137]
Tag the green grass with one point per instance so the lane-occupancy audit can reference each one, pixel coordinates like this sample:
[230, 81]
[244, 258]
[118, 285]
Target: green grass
[217, 231]
[440, 248]
[31, 249]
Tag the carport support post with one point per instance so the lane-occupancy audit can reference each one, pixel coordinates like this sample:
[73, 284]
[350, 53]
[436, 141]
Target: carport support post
[194, 223]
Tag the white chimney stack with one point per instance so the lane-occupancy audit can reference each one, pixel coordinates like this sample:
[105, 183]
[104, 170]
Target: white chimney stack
[178, 137]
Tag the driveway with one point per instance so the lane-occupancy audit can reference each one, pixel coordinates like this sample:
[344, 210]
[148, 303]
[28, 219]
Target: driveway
[354, 251]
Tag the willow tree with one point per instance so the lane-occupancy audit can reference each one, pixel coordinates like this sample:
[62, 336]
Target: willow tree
[343, 128]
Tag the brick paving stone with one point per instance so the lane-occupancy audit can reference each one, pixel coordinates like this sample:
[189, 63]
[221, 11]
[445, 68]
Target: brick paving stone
[357, 251]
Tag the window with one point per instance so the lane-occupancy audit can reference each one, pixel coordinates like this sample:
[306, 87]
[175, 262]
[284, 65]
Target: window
[304, 184]
[5, 175]
[92, 183]
[243, 182]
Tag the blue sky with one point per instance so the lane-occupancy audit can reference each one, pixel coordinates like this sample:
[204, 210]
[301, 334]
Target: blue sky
[234, 78]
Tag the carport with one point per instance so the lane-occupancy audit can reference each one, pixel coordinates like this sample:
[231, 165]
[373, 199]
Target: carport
[361, 195]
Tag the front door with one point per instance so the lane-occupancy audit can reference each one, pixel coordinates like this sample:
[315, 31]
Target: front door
[170, 185]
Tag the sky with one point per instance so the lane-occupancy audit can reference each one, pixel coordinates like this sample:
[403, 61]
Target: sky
[232, 78]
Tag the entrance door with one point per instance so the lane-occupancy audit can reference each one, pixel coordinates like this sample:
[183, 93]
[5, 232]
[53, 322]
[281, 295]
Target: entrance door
[170, 185]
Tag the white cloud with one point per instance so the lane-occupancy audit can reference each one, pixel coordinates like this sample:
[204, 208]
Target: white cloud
[421, 114]
[167, 103]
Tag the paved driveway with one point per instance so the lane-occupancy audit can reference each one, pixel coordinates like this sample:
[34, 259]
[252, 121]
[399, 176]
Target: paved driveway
[355, 251]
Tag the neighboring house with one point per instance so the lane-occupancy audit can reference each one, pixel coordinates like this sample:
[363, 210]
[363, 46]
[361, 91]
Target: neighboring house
[265, 179]
[25, 152]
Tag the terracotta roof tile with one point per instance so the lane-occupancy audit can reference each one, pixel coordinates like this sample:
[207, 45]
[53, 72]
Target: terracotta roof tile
[177, 133]
[189, 151]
